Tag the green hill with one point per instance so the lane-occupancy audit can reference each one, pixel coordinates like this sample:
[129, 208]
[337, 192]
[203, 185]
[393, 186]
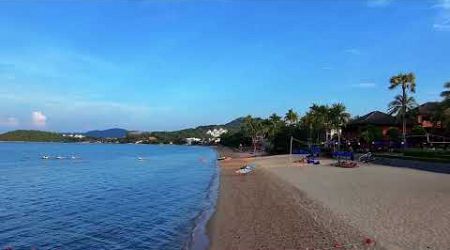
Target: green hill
[31, 135]
[179, 136]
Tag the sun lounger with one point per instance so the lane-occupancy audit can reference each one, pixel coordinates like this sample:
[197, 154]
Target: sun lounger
[246, 169]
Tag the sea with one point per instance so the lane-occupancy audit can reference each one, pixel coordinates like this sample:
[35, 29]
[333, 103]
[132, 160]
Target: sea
[105, 196]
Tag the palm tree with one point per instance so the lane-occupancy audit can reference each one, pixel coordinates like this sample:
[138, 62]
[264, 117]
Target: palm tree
[446, 93]
[317, 119]
[291, 117]
[399, 107]
[272, 125]
[254, 128]
[337, 118]
[407, 83]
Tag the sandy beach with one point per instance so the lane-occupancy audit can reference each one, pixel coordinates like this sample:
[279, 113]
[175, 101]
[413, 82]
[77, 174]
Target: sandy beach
[323, 207]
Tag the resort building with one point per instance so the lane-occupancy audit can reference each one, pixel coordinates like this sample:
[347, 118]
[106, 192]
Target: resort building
[215, 133]
[378, 119]
[193, 140]
[425, 113]
[76, 136]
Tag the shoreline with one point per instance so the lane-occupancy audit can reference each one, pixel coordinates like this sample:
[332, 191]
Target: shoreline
[199, 239]
[261, 211]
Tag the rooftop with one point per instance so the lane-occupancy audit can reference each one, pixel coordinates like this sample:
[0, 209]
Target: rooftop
[375, 118]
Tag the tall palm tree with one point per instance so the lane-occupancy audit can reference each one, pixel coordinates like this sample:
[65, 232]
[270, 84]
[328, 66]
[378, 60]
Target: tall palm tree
[337, 118]
[408, 84]
[273, 124]
[317, 119]
[400, 107]
[291, 117]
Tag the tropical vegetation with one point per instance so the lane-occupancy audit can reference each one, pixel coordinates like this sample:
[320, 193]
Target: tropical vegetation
[33, 135]
[273, 133]
[407, 82]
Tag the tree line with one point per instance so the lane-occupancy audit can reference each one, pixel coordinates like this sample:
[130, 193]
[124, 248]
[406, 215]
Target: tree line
[317, 125]
[323, 123]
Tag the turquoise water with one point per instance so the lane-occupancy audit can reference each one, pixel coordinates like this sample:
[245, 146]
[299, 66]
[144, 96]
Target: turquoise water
[104, 197]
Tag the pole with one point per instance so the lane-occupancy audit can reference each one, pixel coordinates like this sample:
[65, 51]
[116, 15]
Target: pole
[290, 150]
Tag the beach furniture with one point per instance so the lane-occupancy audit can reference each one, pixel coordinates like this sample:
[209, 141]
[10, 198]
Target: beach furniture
[366, 158]
[345, 159]
[246, 169]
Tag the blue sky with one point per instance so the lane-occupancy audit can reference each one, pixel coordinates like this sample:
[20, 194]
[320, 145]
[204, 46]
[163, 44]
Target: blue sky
[164, 65]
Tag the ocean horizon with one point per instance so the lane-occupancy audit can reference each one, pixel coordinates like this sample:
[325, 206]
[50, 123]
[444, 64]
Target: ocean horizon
[105, 196]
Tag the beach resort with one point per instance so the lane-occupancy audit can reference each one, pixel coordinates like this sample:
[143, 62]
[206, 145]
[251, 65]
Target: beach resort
[225, 125]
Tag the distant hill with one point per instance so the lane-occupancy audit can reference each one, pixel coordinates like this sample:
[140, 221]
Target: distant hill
[108, 133]
[235, 124]
[32, 135]
[198, 132]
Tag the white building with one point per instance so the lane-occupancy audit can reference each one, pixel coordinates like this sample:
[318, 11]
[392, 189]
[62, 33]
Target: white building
[77, 136]
[217, 132]
[191, 140]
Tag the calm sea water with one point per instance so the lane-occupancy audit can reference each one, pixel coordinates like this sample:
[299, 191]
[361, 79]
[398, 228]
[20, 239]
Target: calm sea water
[105, 198]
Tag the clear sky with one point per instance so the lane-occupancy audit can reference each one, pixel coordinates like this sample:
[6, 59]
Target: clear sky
[164, 65]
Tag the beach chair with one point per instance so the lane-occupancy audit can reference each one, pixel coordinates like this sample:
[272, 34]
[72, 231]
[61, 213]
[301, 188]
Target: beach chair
[366, 158]
[246, 169]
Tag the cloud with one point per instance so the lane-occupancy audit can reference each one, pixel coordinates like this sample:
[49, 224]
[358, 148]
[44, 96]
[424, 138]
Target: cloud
[442, 19]
[445, 4]
[378, 3]
[365, 85]
[9, 122]
[353, 51]
[38, 119]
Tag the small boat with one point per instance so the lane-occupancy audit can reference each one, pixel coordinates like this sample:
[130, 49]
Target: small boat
[140, 159]
[45, 157]
[222, 158]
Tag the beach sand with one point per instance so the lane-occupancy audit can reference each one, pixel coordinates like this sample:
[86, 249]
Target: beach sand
[260, 211]
[319, 207]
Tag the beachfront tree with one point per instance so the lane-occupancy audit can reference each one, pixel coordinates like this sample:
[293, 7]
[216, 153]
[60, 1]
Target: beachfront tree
[393, 134]
[371, 134]
[441, 116]
[317, 119]
[291, 117]
[446, 93]
[408, 84]
[399, 107]
[254, 128]
[273, 124]
[338, 118]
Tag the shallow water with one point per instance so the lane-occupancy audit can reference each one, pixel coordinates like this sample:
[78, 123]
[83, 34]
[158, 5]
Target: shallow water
[105, 198]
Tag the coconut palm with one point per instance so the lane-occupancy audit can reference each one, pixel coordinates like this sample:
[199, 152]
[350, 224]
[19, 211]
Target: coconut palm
[408, 84]
[291, 117]
[337, 118]
[273, 124]
[400, 107]
[446, 93]
[317, 119]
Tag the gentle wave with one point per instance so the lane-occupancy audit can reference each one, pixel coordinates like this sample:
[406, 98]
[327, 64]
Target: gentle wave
[107, 199]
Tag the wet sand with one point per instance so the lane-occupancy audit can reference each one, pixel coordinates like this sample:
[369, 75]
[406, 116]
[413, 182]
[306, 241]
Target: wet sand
[321, 207]
[261, 211]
